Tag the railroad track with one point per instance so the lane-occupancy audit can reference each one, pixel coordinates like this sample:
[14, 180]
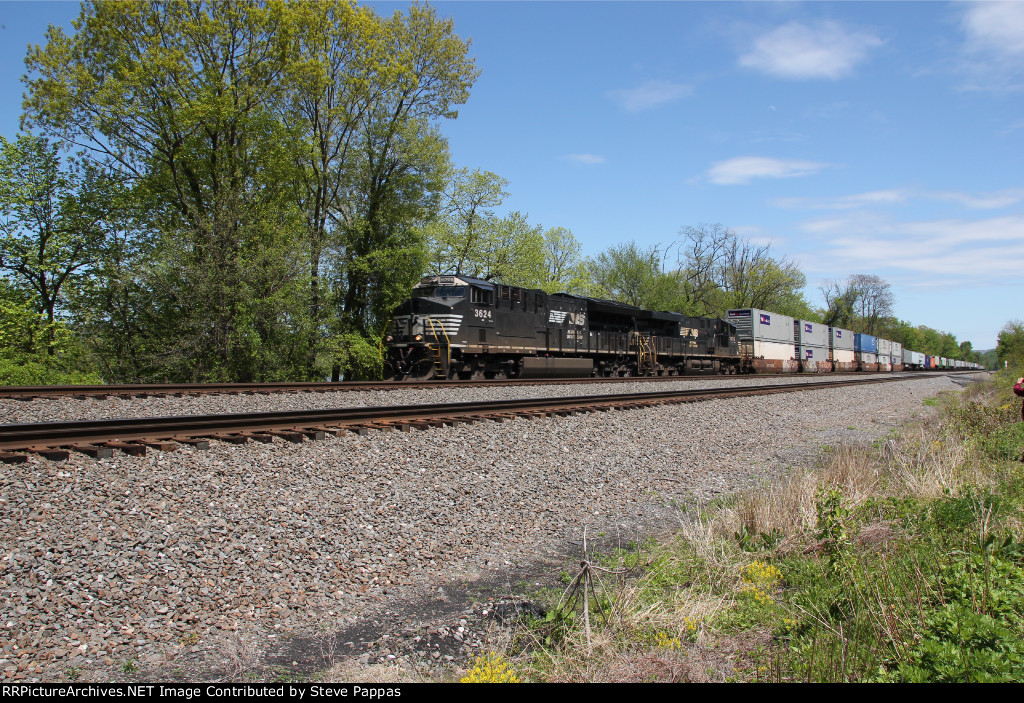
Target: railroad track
[100, 438]
[163, 390]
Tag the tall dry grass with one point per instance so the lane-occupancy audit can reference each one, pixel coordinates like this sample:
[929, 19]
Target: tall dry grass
[911, 465]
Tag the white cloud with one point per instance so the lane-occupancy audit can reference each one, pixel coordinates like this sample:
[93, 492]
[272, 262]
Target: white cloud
[795, 50]
[651, 94]
[588, 159]
[744, 169]
[995, 26]
[934, 252]
[982, 201]
[994, 46]
[898, 196]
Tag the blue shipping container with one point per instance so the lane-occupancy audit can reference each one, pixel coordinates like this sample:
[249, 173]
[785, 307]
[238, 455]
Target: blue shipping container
[865, 343]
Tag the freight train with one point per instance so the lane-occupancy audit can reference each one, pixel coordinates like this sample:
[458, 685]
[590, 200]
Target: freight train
[468, 328]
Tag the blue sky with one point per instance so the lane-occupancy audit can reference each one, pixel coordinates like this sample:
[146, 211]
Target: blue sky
[879, 138]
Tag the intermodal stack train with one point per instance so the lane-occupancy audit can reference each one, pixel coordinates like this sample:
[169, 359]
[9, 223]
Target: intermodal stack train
[459, 327]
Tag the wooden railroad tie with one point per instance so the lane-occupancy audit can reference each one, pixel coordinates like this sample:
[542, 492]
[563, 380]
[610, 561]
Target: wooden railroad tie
[94, 451]
[194, 442]
[129, 448]
[50, 453]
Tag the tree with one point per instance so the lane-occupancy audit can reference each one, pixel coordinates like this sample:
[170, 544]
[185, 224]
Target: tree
[467, 226]
[565, 267]
[840, 299]
[632, 275]
[860, 303]
[1010, 344]
[51, 223]
[271, 146]
[335, 79]
[875, 299]
[715, 270]
[750, 277]
[402, 161]
[180, 99]
[699, 264]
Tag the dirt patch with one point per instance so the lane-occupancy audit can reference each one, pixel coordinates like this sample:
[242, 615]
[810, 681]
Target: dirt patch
[428, 635]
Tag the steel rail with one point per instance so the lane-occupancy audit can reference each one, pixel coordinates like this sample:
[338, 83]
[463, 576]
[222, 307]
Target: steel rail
[164, 431]
[144, 390]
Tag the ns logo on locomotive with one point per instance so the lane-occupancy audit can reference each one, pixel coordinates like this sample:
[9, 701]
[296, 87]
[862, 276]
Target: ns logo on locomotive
[469, 328]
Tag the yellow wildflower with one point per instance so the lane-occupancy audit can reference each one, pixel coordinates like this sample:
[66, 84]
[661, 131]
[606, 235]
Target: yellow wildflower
[491, 668]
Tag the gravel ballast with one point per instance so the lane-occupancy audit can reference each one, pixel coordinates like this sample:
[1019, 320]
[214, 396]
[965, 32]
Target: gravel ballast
[111, 565]
[70, 408]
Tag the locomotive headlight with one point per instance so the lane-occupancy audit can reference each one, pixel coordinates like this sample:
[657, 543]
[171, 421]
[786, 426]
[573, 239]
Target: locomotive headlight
[418, 338]
[389, 339]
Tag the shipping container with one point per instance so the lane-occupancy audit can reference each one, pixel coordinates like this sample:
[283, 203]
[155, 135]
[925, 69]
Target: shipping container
[884, 347]
[840, 338]
[867, 361]
[810, 334]
[814, 359]
[865, 343]
[761, 325]
[773, 350]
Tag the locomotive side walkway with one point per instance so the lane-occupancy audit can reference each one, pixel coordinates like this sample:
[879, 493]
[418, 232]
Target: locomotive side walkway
[199, 563]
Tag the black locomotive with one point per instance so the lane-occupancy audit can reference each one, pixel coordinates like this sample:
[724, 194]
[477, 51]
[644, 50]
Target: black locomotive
[462, 327]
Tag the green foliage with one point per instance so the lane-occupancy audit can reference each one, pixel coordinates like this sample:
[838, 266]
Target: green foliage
[565, 267]
[35, 351]
[831, 516]
[955, 514]
[756, 542]
[972, 632]
[357, 357]
[629, 274]
[710, 270]
[1010, 344]
[51, 224]
[282, 158]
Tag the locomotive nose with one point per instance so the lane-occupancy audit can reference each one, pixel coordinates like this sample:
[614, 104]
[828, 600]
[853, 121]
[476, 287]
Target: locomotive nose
[426, 306]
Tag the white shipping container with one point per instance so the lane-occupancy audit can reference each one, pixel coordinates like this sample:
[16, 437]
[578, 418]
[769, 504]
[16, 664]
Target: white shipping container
[913, 357]
[867, 357]
[884, 348]
[843, 355]
[773, 350]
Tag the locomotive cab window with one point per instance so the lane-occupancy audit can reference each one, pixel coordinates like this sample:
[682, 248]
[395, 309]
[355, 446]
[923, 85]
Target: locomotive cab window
[440, 292]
